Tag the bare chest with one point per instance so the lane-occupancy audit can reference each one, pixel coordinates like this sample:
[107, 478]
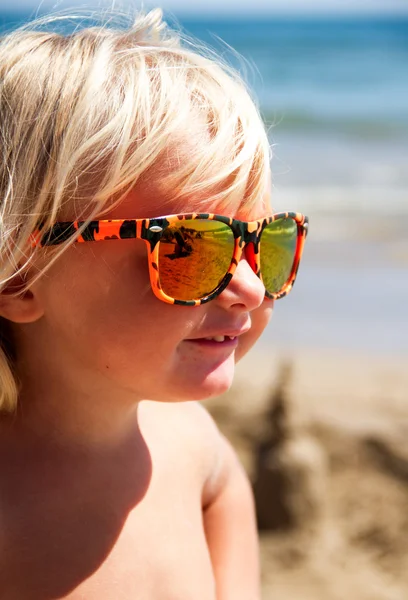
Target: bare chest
[157, 557]
[159, 552]
[130, 532]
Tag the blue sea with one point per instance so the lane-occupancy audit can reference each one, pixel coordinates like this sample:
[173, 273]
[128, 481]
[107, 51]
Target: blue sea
[334, 93]
[327, 73]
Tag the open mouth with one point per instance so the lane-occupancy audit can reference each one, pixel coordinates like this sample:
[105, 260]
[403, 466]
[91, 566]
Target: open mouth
[223, 341]
[220, 338]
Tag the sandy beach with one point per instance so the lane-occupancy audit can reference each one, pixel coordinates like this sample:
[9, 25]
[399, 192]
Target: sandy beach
[344, 453]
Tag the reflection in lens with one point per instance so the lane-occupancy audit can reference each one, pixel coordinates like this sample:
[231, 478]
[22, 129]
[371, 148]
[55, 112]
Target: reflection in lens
[194, 256]
[277, 253]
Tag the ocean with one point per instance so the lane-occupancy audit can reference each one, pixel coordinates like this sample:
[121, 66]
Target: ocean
[326, 74]
[334, 93]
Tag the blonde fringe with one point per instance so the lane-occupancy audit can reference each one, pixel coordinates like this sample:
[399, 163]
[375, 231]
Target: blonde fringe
[84, 116]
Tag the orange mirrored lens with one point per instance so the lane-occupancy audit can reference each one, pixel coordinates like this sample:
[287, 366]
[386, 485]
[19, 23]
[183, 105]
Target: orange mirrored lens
[194, 257]
[277, 253]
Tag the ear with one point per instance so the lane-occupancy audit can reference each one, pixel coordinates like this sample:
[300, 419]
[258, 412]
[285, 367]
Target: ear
[18, 304]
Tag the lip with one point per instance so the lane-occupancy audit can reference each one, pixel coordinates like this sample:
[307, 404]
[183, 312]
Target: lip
[202, 342]
[227, 343]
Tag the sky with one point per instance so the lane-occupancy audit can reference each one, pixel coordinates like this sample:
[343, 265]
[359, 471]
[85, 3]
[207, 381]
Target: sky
[232, 6]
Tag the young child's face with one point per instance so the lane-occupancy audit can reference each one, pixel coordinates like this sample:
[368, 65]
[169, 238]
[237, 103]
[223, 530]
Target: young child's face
[103, 320]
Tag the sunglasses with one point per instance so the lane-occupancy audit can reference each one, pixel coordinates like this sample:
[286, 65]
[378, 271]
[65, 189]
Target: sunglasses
[192, 257]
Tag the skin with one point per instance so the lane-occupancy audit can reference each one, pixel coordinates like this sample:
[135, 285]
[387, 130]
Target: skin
[106, 494]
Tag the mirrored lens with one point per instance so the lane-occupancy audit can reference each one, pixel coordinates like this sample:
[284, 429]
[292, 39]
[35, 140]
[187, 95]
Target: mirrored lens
[194, 257]
[277, 253]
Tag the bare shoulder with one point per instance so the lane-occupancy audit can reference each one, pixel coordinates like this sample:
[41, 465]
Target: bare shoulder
[188, 422]
[189, 419]
[187, 433]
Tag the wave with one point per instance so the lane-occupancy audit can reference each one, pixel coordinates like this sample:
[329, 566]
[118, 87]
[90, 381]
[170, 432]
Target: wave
[364, 128]
[326, 199]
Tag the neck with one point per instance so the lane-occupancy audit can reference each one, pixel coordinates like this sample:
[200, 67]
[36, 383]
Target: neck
[71, 408]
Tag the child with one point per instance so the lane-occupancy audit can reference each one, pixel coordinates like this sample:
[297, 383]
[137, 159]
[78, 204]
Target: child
[105, 494]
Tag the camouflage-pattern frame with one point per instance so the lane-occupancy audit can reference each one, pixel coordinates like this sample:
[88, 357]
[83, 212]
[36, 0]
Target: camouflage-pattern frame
[246, 234]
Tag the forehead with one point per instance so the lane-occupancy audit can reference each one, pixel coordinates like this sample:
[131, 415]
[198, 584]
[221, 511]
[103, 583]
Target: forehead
[150, 202]
[152, 196]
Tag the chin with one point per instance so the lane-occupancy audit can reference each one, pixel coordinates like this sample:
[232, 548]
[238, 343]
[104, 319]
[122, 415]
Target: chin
[206, 385]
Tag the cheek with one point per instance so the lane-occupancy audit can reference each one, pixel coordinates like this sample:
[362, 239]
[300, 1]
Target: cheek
[100, 309]
[97, 295]
[260, 318]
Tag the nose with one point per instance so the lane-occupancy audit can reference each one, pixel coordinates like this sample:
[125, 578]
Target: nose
[245, 290]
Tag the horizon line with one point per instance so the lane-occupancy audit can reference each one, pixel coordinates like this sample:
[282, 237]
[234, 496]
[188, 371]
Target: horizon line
[260, 12]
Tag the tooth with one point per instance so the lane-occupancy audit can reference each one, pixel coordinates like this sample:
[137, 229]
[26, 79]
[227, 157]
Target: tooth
[219, 338]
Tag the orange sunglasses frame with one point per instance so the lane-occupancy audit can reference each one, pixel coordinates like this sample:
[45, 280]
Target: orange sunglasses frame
[246, 234]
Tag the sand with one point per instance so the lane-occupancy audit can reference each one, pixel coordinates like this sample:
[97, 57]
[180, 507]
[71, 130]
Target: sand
[346, 452]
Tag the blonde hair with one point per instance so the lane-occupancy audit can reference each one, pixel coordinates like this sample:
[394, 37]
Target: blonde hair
[84, 116]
